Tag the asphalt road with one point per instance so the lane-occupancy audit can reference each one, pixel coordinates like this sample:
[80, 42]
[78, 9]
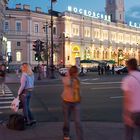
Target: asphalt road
[101, 99]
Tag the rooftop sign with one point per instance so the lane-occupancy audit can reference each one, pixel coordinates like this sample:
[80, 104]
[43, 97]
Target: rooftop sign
[135, 25]
[89, 13]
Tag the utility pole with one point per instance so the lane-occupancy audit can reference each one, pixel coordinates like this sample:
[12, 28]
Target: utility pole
[52, 50]
[47, 68]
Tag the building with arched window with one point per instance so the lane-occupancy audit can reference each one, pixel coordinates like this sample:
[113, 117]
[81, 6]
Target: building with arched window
[77, 33]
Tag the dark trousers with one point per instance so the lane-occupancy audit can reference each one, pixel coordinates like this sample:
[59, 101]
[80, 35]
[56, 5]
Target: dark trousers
[131, 131]
[74, 108]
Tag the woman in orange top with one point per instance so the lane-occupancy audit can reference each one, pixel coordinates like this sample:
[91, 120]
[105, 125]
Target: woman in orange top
[71, 103]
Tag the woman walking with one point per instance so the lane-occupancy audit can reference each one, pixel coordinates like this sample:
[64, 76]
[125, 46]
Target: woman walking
[71, 103]
[25, 92]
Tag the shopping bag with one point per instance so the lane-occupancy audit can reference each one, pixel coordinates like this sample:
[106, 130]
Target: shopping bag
[15, 104]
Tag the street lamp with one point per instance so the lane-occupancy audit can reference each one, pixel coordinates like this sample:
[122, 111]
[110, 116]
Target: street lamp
[46, 31]
[52, 51]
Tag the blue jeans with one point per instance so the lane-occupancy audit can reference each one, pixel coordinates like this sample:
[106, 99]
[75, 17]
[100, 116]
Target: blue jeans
[25, 97]
[69, 107]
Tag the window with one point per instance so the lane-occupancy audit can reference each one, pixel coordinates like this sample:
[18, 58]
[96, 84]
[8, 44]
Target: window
[54, 30]
[87, 32]
[110, 1]
[97, 33]
[18, 44]
[75, 30]
[36, 28]
[6, 26]
[18, 26]
[18, 56]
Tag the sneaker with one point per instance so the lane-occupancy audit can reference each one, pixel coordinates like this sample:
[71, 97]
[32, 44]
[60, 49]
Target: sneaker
[33, 121]
[66, 138]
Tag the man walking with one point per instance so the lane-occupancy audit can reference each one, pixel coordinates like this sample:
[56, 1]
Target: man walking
[131, 109]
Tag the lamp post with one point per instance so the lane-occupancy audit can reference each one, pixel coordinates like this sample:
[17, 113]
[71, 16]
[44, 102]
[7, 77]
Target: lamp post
[52, 50]
[47, 68]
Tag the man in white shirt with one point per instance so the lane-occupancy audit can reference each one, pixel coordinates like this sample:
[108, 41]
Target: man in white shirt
[131, 89]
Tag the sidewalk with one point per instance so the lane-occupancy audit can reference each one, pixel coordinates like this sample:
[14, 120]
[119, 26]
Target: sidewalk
[53, 131]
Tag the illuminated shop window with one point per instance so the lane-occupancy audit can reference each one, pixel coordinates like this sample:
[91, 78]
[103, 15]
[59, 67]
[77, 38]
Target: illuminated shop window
[87, 54]
[18, 56]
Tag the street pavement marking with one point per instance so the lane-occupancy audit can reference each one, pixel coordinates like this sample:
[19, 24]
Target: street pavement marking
[5, 99]
[5, 91]
[90, 79]
[116, 97]
[2, 95]
[5, 102]
[106, 88]
[5, 107]
[86, 83]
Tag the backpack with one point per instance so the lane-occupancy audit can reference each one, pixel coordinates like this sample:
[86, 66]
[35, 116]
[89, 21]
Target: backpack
[16, 122]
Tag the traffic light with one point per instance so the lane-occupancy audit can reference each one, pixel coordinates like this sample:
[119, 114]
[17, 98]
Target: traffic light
[38, 46]
[35, 46]
[41, 46]
[36, 57]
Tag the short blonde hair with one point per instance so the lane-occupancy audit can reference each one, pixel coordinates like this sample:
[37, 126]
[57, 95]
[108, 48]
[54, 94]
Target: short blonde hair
[26, 68]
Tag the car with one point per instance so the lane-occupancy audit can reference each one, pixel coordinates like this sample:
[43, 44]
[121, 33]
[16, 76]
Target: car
[121, 70]
[63, 71]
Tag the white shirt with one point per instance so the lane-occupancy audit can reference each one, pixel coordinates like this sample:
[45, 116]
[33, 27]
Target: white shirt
[132, 86]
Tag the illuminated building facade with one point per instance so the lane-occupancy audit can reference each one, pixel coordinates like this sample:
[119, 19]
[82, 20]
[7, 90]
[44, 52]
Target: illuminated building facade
[3, 40]
[77, 33]
[22, 27]
[97, 39]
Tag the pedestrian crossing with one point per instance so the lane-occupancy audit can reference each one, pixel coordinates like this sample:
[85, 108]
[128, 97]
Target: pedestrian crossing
[5, 99]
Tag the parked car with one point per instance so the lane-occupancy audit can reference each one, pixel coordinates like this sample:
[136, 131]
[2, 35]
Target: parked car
[92, 69]
[121, 70]
[63, 71]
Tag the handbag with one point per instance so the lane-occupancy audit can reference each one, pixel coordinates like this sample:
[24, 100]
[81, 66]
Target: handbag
[15, 104]
[20, 103]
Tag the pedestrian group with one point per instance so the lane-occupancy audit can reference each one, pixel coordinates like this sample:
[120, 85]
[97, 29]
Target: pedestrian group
[71, 98]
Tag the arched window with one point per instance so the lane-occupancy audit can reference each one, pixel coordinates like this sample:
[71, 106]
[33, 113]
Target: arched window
[18, 56]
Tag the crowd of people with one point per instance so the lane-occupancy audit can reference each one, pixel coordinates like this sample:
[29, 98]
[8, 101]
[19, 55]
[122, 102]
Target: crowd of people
[105, 69]
[71, 98]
